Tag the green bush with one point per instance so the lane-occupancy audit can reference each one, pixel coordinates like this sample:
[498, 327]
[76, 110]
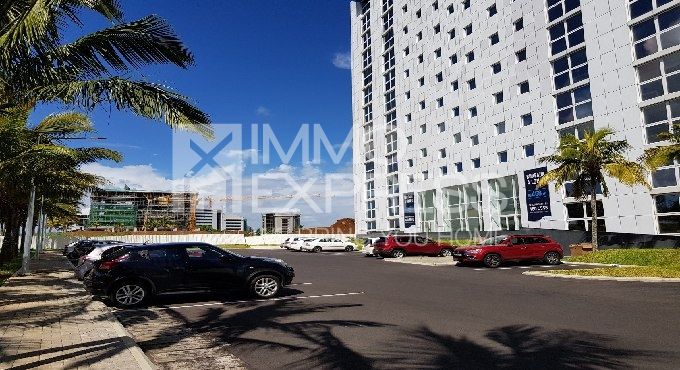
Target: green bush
[638, 257]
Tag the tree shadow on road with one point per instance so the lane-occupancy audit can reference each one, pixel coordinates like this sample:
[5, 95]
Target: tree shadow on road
[513, 347]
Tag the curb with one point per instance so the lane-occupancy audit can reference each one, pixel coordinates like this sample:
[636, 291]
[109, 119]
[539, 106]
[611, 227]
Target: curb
[593, 264]
[142, 359]
[602, 278]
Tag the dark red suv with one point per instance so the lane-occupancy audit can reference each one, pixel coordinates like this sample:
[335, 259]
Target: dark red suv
[398, 246]
[494, 251]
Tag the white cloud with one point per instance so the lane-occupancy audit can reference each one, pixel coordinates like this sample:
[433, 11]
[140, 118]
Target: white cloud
[263, 111]
[342, 60]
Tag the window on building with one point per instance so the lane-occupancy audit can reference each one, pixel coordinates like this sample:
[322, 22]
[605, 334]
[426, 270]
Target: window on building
[435, 5]
[407, 51]
[558, 8]
[493, 10]
[407, 73]
[494, 39]
[570, 69]
[574, 105]
[529, 150]
[519, 24]
[496, 68]
[459, 166]
[451, 9]
[579, 131]
[423, 152]
[438, 53]
[500, 128]
[472, 84]
[466, 4]
[658, 33]
[523, 87]
[579, 216]
[419, 13]
[426, 175]
[454, 59]
[443, 170]
[440, 102]
[442, 153]
[527, 119]
[421, 58]
[521, 55]
[566, 34]
[423, 128]
[454, 85]
[659, 119]
[392, 165]
[457, 138]
[470, 56]
[474, 140]
[409, 139]
[455, 111]
[504, 194]
[393, 210]
[409, 163]
[659, 77]
[441, 126]
[391, 140]
[410, 178]
[439, 77]
[668, 213]
[452, 34]
[407, 95]
[437, 28]
[472, 112]
[503, 157]
[370, 209]
[422, 105]
[370, 189]
[408, 117]
[463, 208]
[476, 163]
[468, 29]
[421, 81]
[498, 97]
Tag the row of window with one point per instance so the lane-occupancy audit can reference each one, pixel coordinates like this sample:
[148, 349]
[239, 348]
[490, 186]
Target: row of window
[657, 33]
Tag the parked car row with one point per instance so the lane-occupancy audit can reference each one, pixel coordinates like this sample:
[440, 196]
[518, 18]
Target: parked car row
[317, 245]
[73, 251]
[491, 252]
[129, 275]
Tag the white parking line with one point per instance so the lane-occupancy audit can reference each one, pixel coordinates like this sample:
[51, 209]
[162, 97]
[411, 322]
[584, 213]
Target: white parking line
[525, 267]
[481, 269]
[505, 268]
[300, 284]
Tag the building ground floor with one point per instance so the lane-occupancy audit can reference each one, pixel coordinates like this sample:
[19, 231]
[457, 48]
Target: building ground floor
[514, 202]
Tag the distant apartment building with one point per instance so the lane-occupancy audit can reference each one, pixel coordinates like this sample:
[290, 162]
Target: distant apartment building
[280, 223]
[455, 101]
[234, 224]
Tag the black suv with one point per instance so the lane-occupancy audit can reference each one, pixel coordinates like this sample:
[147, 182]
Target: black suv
[128, 275]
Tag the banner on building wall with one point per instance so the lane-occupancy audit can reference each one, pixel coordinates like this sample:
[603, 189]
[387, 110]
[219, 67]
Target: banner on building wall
[409, 210]
[538, 199]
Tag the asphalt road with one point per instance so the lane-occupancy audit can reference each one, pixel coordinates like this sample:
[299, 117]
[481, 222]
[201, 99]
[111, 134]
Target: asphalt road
[353, 312]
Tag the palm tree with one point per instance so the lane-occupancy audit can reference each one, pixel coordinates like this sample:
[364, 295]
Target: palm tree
[37, 66]
[587, 163]
[659, 156]
[34, 155]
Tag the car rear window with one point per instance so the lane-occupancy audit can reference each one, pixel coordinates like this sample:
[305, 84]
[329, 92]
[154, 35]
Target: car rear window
[152, 254]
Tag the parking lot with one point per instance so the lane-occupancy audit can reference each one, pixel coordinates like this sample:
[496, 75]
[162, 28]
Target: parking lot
[349, 311]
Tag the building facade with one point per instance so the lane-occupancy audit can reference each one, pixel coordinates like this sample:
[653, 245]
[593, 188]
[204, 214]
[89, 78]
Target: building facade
[234, 224]
[455, 101]
[280, 223]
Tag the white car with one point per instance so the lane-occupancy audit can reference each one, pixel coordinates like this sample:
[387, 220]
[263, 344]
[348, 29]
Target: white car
[368, 245]
[297, 244]
[286, 243]
[86, 263]
[328, 244]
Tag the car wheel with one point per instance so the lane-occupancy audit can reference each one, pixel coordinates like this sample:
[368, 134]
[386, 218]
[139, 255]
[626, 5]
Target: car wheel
[129, 294]
[265, 286]
[398, 253]
[552, 258]
[492, 260]
[446, 253]
[316, 249]
[349, 248]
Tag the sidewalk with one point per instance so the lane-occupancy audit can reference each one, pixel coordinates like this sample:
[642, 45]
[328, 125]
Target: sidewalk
[48, 321]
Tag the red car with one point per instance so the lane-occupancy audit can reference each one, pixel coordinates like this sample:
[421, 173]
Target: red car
[494, 251]
[398, 246]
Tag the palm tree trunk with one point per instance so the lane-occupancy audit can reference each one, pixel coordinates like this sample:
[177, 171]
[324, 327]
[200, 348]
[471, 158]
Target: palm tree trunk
[10, 243]
[593, 212]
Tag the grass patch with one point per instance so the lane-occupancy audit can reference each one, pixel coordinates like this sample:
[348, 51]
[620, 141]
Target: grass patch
[457, 242]
[8, 269]
[661, 263]
[642, 271]
[234, 246]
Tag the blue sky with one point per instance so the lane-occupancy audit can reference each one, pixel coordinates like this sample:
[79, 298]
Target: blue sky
[257, 61]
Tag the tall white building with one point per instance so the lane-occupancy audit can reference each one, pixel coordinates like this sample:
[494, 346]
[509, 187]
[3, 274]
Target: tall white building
[454, 102]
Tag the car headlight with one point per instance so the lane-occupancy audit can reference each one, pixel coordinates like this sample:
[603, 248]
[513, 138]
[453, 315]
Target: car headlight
[473, 251]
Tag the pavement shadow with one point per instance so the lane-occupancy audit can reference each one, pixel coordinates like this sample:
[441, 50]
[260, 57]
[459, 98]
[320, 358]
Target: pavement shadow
[514, 347]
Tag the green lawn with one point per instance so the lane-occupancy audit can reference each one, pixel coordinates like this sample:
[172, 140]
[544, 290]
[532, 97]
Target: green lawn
[663, 263]
[9, 269]
[234, 246]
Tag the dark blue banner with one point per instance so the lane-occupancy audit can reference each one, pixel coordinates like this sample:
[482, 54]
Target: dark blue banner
[538, 199]
[409, 210]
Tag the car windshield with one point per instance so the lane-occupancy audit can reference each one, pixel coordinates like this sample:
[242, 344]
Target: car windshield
[493, 241]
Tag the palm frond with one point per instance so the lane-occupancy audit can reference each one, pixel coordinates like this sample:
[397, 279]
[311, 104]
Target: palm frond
[142, 98]
[64, 122]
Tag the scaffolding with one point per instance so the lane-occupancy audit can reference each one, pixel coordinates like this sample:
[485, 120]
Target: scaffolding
[146, 210]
